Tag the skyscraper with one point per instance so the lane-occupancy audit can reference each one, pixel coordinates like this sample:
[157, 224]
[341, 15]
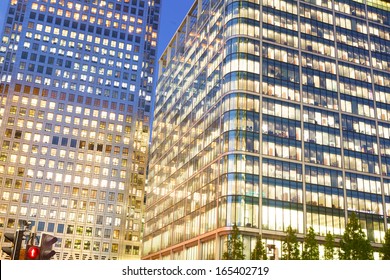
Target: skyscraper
[76, 89]
[270, 113]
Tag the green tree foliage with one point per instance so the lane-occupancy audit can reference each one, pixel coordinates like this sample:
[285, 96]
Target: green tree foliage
[385, 250]
[290, 245]
[329, 251]
[310, 246]
[235, 247]
[354, 244]
[259, 252]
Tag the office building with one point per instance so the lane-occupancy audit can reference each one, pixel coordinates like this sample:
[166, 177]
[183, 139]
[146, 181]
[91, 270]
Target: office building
[270, 113]
[76, 89]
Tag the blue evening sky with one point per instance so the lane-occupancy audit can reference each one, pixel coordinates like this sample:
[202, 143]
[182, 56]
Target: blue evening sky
[172, 14]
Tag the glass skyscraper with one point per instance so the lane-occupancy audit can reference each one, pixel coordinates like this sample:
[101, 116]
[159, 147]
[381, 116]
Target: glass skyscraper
[75, 102]
[269, 114]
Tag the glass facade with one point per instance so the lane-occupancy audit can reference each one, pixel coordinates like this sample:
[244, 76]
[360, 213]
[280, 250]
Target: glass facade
[75, 102]
[269, 114]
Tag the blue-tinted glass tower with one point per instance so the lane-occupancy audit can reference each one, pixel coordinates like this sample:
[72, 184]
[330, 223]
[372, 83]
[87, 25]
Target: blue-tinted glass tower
[270, 114]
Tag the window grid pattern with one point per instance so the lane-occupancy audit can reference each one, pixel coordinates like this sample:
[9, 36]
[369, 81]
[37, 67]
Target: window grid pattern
[258, 133]
[76, 93]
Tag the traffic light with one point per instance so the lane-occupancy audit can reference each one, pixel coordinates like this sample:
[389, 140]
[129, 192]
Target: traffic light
[33, 253]
[47, 242]
[13, 251]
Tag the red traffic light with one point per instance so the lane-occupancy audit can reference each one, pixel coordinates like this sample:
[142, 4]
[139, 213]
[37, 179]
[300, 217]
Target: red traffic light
[33, 253]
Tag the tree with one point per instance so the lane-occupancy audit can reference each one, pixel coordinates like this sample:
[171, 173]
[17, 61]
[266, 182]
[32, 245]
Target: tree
[290, 245]
[235, 247]
[310, 246]
[259, 252]
[354, 244]
[329, 247]
[385, 250]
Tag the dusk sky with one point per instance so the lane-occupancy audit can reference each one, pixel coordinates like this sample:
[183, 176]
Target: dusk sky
[172, 14]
